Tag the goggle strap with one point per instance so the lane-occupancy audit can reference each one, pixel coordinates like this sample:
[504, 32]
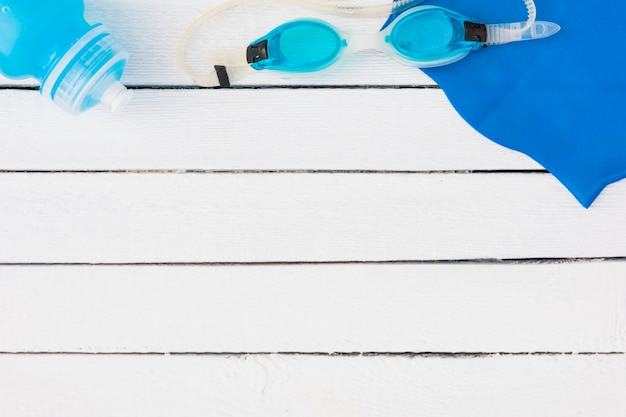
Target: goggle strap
[498, 34]
[222, 75]
[324, 6]
[228, 64]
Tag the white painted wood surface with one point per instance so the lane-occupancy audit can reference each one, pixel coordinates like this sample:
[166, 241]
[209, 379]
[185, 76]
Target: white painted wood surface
[162, 386]
[335, 244]
[392, 308]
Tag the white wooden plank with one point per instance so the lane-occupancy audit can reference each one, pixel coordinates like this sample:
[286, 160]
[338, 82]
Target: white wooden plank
[34, 386]
[250, 129]
[572, 307]
[130, 218]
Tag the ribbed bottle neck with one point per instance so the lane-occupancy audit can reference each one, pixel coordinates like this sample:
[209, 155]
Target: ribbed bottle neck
[86, 71]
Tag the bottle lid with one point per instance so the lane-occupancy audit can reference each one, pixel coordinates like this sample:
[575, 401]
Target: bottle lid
[116, 97]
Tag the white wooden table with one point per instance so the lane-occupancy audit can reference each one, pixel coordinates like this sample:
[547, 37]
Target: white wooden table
[340, 244]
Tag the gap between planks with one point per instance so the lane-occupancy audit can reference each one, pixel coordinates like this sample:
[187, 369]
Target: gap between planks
[512, 261]
[450, 355]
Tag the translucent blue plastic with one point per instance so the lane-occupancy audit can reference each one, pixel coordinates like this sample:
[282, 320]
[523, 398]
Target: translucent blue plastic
[77, 64]
[36, 33]
[425, 36]
[301, 46]
[431, 35]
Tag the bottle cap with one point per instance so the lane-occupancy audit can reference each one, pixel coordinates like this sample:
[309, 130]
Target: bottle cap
[116, 97]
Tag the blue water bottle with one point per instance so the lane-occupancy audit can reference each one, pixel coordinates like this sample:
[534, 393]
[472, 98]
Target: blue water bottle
[78, 65]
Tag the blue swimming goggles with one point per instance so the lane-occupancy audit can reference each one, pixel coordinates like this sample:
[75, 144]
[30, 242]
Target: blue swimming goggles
[422, 36]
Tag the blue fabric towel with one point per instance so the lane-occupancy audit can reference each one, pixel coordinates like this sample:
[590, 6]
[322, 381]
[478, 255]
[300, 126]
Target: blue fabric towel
[559, 100]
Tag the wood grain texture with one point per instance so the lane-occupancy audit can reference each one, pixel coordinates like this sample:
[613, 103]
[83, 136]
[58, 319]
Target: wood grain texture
[569, 307]
[269, 129]
[275, 385]
[201, 230]
[161, 218]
